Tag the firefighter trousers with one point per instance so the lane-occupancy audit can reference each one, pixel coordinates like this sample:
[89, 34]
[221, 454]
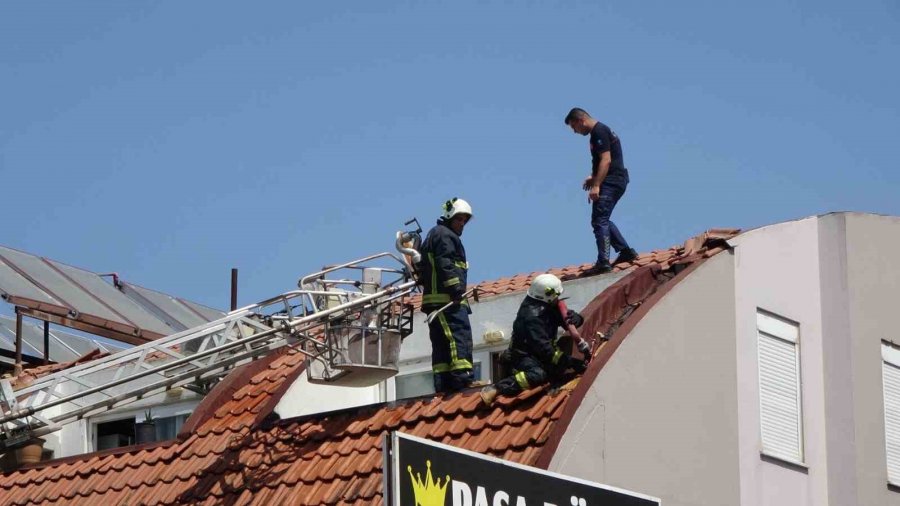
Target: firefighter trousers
[528, 372]
[451, 349]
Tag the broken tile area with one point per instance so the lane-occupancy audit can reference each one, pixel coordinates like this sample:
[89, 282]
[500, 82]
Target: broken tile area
[664, 258]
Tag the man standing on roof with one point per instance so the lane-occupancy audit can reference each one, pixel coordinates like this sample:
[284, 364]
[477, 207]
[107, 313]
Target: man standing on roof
[605, 186]
[534, 352]
[443, 275]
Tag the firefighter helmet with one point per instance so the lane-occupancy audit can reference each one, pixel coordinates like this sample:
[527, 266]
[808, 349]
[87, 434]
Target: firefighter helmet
[545, 288]
[456, 206]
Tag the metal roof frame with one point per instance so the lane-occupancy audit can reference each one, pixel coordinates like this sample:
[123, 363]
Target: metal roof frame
[54, 292]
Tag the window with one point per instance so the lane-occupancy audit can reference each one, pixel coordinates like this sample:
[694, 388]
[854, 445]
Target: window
[499, 369]
[890, 372]
[781, 418]
[421, 383]
[168, 427]
[121, 429]
[115, 433]
[414, 385]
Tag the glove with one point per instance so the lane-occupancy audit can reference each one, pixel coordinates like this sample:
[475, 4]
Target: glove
[579, 366]
[584, 347]
[573, 318]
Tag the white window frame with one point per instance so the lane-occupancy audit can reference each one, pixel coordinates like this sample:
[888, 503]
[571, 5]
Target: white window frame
[138, 414]
[774, 332]
[890, 383]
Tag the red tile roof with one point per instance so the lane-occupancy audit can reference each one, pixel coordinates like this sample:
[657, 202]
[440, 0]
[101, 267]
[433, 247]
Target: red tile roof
[324, 459]
[665, 258]
[233, 451]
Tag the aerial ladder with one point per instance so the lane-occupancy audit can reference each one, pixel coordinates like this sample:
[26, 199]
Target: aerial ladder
[348, 320]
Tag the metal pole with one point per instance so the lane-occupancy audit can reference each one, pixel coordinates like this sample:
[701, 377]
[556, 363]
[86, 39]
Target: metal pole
[233, 288]
[46, 342]
[17, 370]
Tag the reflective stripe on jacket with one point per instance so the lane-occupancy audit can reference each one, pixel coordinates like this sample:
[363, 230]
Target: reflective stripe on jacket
[534, 333]
[443, 267]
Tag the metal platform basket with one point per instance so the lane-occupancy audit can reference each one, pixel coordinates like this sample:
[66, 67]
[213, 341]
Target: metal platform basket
[360, 351]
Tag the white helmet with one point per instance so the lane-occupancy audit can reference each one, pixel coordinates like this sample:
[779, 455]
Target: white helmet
[456, 206]
[545, 288]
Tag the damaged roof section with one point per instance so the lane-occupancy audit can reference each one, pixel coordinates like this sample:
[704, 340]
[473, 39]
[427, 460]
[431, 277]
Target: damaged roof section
[233, 449]
[691, 250]
[64, 346]
[52, 291]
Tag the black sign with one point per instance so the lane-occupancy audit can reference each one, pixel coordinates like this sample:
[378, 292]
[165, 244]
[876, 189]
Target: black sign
[419, 472]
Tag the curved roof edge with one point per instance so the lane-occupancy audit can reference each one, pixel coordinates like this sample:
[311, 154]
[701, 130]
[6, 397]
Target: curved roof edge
[614, 313]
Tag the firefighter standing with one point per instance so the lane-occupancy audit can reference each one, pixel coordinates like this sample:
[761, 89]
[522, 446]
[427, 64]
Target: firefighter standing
[443, 275]
[533, 352]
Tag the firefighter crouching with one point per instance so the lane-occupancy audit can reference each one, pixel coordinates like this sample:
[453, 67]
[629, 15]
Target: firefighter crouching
[534, 354]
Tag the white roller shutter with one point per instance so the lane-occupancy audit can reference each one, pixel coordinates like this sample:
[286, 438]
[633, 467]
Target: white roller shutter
[891, 377]
[781, 420]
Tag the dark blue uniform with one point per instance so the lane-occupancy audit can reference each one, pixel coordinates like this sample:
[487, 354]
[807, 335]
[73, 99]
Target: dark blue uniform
[603, 139]
[443, 275]
[534, 352]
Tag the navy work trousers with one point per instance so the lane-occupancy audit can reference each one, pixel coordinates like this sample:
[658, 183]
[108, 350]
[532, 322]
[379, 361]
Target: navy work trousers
[528, 372]
[451, 349]
[605, 231]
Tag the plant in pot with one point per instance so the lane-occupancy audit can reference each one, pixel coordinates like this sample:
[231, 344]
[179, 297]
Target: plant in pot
[30, 452]
[145, 432]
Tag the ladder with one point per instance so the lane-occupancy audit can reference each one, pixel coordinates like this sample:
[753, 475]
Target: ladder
[348, 329]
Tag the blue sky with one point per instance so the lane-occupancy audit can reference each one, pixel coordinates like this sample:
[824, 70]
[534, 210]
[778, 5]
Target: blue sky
[171, 141]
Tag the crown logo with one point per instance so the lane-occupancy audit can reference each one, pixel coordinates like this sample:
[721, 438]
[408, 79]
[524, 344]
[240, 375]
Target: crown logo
[430, 492]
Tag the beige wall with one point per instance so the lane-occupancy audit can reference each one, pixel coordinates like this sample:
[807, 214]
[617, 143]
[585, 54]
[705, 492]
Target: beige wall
[661, 418]
[777, 270]
[873, 286]
[675, 413]
[837, 276]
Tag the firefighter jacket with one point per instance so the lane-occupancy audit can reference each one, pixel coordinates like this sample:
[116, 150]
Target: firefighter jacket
[534, 334]
[443, 267]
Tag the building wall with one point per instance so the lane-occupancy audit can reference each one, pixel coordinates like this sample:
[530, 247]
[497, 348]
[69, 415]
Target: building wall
[872, 288]
[841, 456]
[305, 398]
[777, 270]
[661, 418]
[836, 276]
[77, 437]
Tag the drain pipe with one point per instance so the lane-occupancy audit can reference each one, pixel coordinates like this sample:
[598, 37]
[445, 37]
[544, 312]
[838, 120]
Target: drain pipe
[234, 281]
[17, 369]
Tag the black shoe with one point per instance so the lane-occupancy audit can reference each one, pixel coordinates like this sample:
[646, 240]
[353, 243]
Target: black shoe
[598, 269]
[628, 255]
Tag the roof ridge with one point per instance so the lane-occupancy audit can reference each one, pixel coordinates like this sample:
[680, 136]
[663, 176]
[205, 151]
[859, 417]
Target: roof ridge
[518, 282]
